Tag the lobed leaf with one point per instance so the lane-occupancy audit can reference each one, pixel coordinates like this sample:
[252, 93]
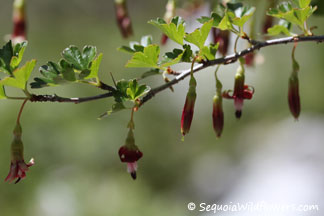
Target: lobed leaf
[175, 30]
[146, 59]
[199, 36]
[20, 76]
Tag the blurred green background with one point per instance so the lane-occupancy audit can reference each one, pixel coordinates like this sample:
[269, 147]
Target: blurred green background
[78, 171]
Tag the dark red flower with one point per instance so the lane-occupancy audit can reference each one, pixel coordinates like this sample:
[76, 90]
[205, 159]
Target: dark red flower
[130, 154]
[19, 20]
[123, 20]
[223, 38]
[188, 109]
[18, 167]
[218, 115]
[293, 96]
[241, 91]
[18, 170]
[267, 24]
[164, 39]
[249, 59]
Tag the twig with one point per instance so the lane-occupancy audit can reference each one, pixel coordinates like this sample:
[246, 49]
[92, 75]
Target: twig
[229, 59]
[55, 98]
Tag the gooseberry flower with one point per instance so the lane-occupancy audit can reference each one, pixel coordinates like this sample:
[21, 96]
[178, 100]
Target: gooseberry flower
[19, 20]
[241, 92]
[123, 20]
[18, 167]
[249, 59]
[130, 154]
[218, 114]
[188, 109]
[267, 24]
[293, 95]
[221, 37]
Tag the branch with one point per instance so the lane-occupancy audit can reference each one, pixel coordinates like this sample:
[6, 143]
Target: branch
[257, 45]
[55, 98]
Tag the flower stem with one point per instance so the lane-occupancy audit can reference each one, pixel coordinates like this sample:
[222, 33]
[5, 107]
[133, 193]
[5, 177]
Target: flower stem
[21, 109]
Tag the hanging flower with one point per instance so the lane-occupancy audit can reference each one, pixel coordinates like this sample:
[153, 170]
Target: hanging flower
[249, 59]
[241, 91]
[218, 115]
[293, 96]
[188, 109]
[18, 167]
[223, 38]
[267, 24]
[130, 154]
[19, 20]
[123, 20]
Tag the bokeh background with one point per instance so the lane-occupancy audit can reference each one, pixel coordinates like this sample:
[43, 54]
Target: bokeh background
[266, 156]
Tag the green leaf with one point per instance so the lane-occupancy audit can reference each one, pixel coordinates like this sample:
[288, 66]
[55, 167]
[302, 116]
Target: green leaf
[20, 76]
[6, 54]
[146, 59]
[187, 54]
[115, 108]
[135, 90]
[18, 53]
[135, 46]
[129, 90]
[278, 29]
[296, 16]
[304, 3]
[225, 23]
[199, 36]
[167, 62]
[67, 71]
[241, 15]
[42, 82]
[174, 30]
[78, 60]
[2, 92]
[95, 67]
[209, 52]
[88, 55]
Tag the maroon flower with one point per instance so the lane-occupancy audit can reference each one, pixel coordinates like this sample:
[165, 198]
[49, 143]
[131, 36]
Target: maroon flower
[164, 39]
[218, 115]
[19, 20]
[221, 37]
[18, 167]
[241, 91]
[123, 20]
[130, 154]
[293, 96]
[249, 59]
[188, 109]
[267, 24]
[18, 170]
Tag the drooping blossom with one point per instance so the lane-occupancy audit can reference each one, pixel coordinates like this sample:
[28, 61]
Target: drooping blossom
[130, 154]
[188, 109]
[18, 167]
